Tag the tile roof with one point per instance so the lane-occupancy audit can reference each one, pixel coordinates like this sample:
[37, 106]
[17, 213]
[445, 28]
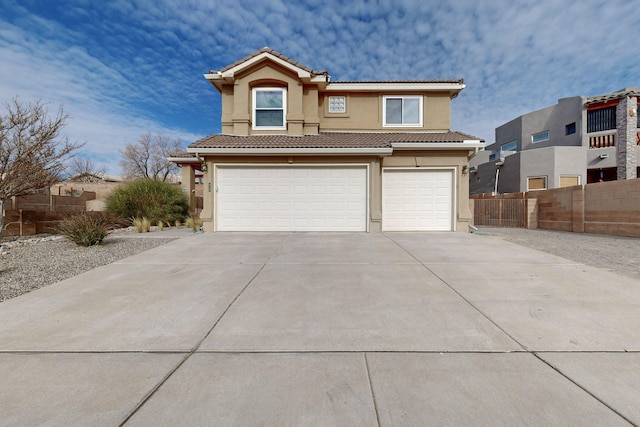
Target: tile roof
[622, 93]
[456, 81]
[329, 140]
[276, 54]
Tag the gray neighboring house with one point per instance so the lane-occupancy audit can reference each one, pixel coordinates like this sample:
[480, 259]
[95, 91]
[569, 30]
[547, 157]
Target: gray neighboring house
[579, 140]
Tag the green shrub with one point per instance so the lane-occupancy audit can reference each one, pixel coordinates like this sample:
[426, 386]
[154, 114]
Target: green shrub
[154, 200]
[85, 228]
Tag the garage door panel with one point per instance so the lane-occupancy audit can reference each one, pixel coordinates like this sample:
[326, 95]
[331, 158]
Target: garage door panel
[417, 200]
[291, 198]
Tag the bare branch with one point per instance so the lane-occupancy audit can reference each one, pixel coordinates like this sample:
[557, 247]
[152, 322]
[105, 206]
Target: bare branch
[147, 159]
[80, 165]
[32, 155]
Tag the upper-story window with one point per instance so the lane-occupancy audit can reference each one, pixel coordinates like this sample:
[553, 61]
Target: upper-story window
[601, 119]
[509, 148]
[570, 129]
[402, 111]
[270, 108]
[337, 104]
[540, 136]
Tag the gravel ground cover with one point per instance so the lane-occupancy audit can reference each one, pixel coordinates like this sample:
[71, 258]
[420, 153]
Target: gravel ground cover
[616, 253]
[33, 263]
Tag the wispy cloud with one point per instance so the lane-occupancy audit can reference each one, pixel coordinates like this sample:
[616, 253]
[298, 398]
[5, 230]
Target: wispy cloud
[125, 67]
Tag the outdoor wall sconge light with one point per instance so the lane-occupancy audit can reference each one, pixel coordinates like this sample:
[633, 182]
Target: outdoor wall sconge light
[465, 170]
[633, 111]
[203, 167]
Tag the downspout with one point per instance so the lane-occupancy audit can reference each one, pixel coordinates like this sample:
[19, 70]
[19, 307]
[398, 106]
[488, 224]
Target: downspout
[203, 165]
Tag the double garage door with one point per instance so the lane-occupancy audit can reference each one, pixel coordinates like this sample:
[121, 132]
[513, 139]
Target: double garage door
[329, 198]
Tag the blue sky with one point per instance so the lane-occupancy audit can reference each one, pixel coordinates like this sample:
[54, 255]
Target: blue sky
[123, 68]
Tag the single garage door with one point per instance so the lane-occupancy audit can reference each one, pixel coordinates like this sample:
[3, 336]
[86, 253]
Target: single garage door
[417, 200]
[291, 198]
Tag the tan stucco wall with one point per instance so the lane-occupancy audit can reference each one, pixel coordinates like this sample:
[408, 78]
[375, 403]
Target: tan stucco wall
[102, 189]
[266, 75]
[227, 109]
[450, 160]
[437, 111]
[307, 111]
[364, 113]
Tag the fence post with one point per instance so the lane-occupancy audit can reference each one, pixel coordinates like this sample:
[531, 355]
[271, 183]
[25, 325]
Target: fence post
[532, 213]
[577, 214]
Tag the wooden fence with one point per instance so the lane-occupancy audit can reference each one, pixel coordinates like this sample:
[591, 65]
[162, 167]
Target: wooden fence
[611, 207]
[500, 213]
[40, 213]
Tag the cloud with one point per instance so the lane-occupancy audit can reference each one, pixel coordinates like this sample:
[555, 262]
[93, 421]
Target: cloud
[106, 108]
[125, 67]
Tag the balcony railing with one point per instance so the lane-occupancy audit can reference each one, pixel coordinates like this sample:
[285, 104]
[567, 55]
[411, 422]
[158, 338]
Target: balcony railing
[602, 141]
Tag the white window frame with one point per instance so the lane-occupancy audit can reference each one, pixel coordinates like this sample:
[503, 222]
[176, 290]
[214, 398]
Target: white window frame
[533, 137]
[546, 183]
[344, 104]
[403, 97]
[254, 108]
[504, 152]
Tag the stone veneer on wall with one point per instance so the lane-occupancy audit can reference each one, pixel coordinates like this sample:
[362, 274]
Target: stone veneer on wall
[627, 131]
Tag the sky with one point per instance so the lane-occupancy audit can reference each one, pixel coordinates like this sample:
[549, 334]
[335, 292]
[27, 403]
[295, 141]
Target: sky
[122, 68]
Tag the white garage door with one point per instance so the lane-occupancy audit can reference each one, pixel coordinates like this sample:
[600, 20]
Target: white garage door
[291, 198]
[417, 200]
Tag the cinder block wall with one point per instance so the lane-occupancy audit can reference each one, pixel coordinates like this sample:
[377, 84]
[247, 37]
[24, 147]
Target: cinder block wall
[601, 208]
[613, 208]
[555, 208]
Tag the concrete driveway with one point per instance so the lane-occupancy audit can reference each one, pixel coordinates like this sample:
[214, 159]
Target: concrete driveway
[326, 329]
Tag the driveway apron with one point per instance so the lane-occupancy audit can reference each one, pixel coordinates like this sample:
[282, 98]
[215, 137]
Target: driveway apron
[326, 329]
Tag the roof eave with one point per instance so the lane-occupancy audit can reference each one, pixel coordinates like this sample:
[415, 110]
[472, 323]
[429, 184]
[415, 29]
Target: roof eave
[230, 73]
[292, 151]
[464, 145]
[217, 80]
[184, 160]
[452, 88]
[472, 146]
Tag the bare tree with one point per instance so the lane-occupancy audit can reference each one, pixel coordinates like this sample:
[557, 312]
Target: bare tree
[82, 165]
[32, 155]
[147, 158]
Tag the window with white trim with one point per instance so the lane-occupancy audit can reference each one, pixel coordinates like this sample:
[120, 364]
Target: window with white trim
[536, 183]
[269, 108]
[337, 104]
[402, 111]
[509, 148]
[540, 136]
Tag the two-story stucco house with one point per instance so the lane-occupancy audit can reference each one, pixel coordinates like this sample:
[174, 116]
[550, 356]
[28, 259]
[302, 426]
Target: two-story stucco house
[298, 152]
